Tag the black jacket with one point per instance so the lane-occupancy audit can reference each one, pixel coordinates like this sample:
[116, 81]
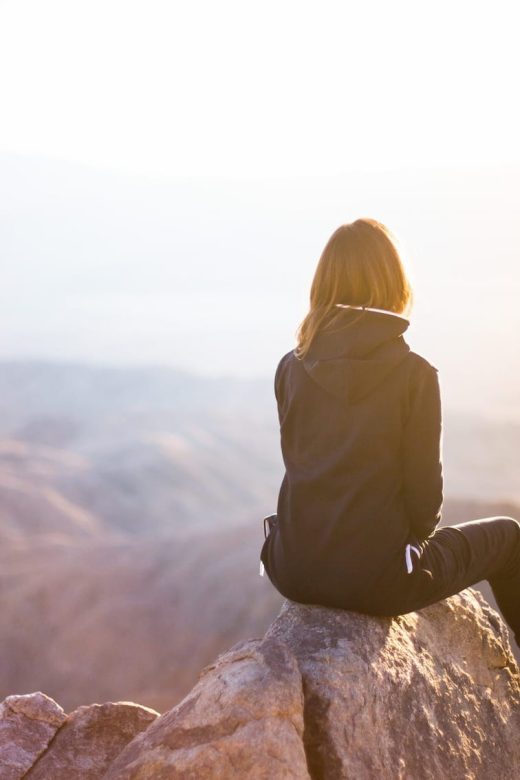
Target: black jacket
[361, 434]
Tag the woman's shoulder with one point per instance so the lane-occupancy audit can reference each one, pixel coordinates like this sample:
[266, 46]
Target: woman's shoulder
[420, 364]
[286, 358]
[282, 363]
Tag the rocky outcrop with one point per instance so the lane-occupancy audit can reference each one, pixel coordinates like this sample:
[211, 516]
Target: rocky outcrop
[329, 694]
[39, 741]
[334, 694]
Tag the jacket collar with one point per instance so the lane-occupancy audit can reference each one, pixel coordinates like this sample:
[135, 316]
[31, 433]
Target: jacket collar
[354, 356]
[370, 308]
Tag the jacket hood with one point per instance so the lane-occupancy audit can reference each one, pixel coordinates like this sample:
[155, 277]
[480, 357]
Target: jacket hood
[352, 359]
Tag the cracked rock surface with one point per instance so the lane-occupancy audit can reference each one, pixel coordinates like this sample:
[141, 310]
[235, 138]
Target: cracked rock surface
[39, 741]
[325, 693]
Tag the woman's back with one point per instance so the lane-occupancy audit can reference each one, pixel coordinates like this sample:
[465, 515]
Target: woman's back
[360, 428]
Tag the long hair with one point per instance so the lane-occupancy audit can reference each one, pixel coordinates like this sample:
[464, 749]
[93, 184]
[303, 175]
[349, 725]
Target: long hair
[361, 266]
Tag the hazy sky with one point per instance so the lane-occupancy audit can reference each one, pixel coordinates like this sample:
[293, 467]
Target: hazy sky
[207, 152]
[213, 276]
[260, 88]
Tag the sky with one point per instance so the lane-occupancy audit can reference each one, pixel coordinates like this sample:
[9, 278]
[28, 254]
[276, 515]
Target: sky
[253, 89]
[169, 173]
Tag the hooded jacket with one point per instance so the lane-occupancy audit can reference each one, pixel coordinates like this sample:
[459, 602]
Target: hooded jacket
[361, 437]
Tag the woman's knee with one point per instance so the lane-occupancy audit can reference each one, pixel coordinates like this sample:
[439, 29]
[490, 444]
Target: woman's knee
[511, 525]
[492, 543]
[508, 531]
[511, 533]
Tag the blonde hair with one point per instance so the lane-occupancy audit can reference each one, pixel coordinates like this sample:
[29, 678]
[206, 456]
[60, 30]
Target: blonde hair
[361, 266]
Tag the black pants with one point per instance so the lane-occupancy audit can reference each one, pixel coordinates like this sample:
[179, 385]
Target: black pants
[453, 558]
[458, 556]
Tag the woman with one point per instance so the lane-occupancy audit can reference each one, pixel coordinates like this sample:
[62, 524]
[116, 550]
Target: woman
[361, 435]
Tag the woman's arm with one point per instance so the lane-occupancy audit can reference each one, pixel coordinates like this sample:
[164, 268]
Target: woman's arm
[422, 456]
[278, 386]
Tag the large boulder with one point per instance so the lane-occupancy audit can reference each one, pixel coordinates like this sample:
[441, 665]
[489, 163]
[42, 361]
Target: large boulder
[331, 694]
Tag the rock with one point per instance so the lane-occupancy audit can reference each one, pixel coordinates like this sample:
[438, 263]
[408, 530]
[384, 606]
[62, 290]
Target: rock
[27, 725]
[91, 737]
[332, 694]
[38, 741]
[432, 694]
[243, 719]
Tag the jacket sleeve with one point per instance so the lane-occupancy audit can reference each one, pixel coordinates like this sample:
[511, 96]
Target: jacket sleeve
[278, 389]
[422, 455]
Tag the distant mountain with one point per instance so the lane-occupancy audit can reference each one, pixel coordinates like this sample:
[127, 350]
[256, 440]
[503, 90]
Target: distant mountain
[32, 501]
[138, 451]
[97, 621]
[148, 450]
[37, 393]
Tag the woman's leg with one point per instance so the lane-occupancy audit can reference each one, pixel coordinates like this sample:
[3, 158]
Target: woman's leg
[458, 556]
